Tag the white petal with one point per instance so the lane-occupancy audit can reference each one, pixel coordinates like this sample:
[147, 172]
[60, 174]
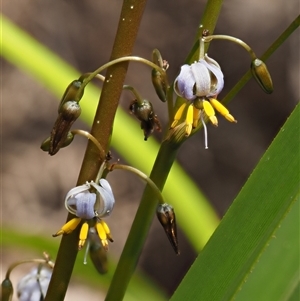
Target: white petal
[214, 68]
[202, 78]
[107, 200]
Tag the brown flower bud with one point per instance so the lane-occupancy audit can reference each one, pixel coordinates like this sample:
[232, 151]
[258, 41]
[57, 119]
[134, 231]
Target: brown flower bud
[145, 113]
[166, 215]
[69, 112]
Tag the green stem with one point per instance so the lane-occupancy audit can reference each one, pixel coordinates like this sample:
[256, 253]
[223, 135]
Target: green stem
[209, 20]
[131, 14]
[141, 224]
[14, 265]
[160, 171]
[247, 76]
[143, 176]
[91, 75]
[138, 97]
[232, 39]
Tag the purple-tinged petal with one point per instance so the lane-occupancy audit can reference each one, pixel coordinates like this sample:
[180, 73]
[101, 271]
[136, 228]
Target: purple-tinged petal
[184, 83]
[85, 202]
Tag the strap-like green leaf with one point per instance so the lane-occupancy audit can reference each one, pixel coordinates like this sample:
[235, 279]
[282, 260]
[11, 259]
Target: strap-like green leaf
[249, 226]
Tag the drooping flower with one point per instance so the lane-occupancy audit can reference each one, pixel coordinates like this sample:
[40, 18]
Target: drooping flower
[90, 207]
[33, 287]
[200, 83]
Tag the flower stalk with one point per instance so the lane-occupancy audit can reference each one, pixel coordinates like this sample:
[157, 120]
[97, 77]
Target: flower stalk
[101, 130]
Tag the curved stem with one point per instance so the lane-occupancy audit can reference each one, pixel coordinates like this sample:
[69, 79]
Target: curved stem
[232, 39]
[274, 46]
[143, 176]
[92, 138]
[135, 93]
[14, 265]
[92, 75]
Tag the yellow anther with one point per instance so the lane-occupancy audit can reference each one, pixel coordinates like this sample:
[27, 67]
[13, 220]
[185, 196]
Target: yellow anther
[83, 235]
[210, 112]
[105, 227]
[196, 116]
[189, 120]
[100, 230]
[178, 115]
[230, 118]
[68, 227]
[222, 110]
[102, 234]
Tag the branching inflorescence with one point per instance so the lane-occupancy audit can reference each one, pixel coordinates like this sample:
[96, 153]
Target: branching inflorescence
[199, 84]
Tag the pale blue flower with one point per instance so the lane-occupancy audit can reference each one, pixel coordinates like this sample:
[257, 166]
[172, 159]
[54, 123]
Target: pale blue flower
[33, 287]
[200, 79]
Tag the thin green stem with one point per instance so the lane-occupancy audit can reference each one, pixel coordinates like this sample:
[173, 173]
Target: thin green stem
[131, 14]
[232, 39]
[143, 176]
[208, 22]
[141, 223]
[135, 93]
[92, 138]
[15, 264]
[274, 46]
[92, 75]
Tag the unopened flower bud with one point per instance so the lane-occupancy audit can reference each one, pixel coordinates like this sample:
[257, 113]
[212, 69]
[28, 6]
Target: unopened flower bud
[166, 215]
[45, 146]
[6, 290]
[69, 112]
[159, 84]
[71, 93]
[145, 113]
[262, 75]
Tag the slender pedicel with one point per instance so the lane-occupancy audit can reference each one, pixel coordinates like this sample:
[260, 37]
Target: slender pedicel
[89, 76]
[208, 39]
[142, 176]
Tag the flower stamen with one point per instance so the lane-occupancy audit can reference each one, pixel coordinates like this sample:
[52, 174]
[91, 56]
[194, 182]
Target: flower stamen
[83, 235]
[222, 110]
[68, 227]
[210, 112]
[178, 115]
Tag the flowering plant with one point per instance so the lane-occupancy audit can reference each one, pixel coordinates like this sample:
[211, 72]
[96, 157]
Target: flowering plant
[198, 85]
